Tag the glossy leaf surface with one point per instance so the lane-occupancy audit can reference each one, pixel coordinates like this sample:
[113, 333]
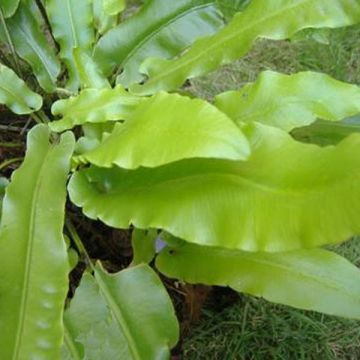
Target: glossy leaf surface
[290, 101]
[8, 7]
[94, 106]
[15, 94]
[287, 195]
[307, 279]
[167, 128]
[34, 264]
[161, 28]
[273, 19]
[71, 22]
[127, 316]
[31, 45]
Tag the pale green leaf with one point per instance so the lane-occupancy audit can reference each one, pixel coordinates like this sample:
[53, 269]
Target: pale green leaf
[94, 106]
[272, 19]
[291, 101]
[143, 245]
[287, 195]
[90, 75]
[113, 7]
[15, 94]
[167, 128]
[126, 316]
[34, 264]
[161, 28]
[71, 22]
[307, 279]
[31, 45]
[8, 7]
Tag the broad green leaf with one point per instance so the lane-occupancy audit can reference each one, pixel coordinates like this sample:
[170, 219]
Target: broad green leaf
[15, 94]
[89, 73]
[287, 195]
[307, 279]
[143, 244]
[31, 45]
[161, 28]
[272, 19]
[167, 128]
[327, 133]
[71, 22]
[291, 101]
[33, 258]
[127, 316]
[8, 7]
[94, 106]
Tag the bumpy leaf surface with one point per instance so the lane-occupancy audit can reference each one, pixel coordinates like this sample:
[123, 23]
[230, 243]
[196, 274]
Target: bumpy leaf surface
[33, 257]
[273, 19]
[167, 128]
[287, 195]
[15, 94]
[161, 28]
[31, 45]
[290, 101]
[8, 7]
[94, 106]
[71, 22]
[308, 279]
[126, 316]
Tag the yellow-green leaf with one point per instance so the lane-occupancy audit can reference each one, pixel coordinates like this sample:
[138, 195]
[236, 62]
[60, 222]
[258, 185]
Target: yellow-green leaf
[287, 195]
[291, 101]
[94, 106]
[271, 19]
[167, 128]
[307, 279]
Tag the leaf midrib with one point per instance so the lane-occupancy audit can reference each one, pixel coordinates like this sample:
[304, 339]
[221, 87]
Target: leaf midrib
[115, 308]
[29, 253]
[233, 35]
[163, 24]
[318, 279]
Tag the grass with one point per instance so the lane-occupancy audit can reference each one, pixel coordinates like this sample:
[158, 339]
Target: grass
[252, 328]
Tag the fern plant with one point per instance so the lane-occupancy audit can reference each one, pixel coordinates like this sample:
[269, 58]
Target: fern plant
[226, 185]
